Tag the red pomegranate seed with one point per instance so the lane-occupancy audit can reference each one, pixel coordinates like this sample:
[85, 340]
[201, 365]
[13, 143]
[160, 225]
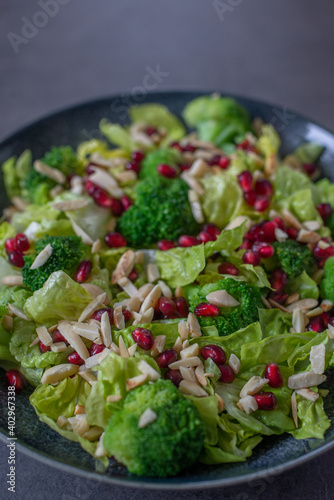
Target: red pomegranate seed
[182, 307]
[266, 233]
[16, 259]
[189, 148]
[90, 169]
[245, 180]
[266, 400]
[174, 376]
[323, 253]
[127, 315]
[184, 166]
[224, 162]
[96, 349]
[97, 315]
[133, 165]
[21, 243]
[166, 245]
[266, 251]
[83, 271]
[212, 229]
[279, 223]
[143, 337]
[227, 374]
[75, 359]
[204, 309]
[176, 145]
[245, 145]
[251, 257]
[115, 240]
[57, 337]
[101, 198]
[214, 160]
[133, 276]
[151, 130]
[44, 348]
[261, 204]
[278, 280]
[264, 188]
[250, 197]
[246, 244]
[137, 156]
[166, 358]
[228, 268]
[214, 352]
[279, 297]
[316, 324]
[188, 241]
[273, 374]
[292, 232]
[309, 168]
[331, 321]
[15, 379]
[325, 318]
[116, 207]
[325, 210]
[10, 245]
[126, 202]
[205, 237]
[90, 187]
[167, 171]
[167, 306]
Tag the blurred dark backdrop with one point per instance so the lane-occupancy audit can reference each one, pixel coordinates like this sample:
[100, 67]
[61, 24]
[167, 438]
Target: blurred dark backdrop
[280, 51]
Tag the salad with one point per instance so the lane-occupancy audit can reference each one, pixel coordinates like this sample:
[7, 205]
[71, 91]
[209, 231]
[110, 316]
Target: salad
[169, 294]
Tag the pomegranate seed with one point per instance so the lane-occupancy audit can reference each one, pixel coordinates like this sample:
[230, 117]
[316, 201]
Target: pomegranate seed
[166, 358]
[279, 297]
[325, 210]
[101, 198]
[261, 203]
[166, 245]
[292, 232]
[264, 188]
[214, 160]
[309, 168]
[151, 130]
[273, 374]
[167, 306]
[188, 241]
[143, 337]
[44, 348]
[167, 171]
[250, 197]
[246, 244]
[83, 271]
[115, 240]
[133, 165]
[204, 309]
[316, 324]
[279, 223]
[224, 162]
[10, 245]
[126, 202]
[214, 352]
[133, 276]
[189, 148]
[227, 374]
[325, 318]
[16, 259]
[266, 232]
[97, 315]
[211, 229]
[90, 169]
[137, 156]
[174, 376]
[176, 145]
[182, 307]
[127, 315]
[251, 257]
[75, 359]
[323, 253]
[205, 237]
[57, 337]
[266, 400]
[244, 145]
[228, 268]
[15, 379]
[266, 251]
[90, 187]
[21, 243]
[331, 321]
[184, 166]
[96, 349]
[278, 280]
[245, 180]
[116, 207]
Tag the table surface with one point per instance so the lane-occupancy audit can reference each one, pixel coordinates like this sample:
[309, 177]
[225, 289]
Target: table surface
[80, 50]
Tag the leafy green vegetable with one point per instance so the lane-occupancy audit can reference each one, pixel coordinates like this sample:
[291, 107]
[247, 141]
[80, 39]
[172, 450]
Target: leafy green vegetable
[294, 257]
[15, 171]
[269, 141]
[309, 152]
[157, 115]
[305, 286]
[327, 283]
[117, 135]
[169, 156]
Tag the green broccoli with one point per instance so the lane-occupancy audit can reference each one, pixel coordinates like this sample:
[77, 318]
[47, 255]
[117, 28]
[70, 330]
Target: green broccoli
[167, 156]
[66, 255]
[330, 223]
[327, 283]
[162, 210]
[167, 445]
[294, 258]
[230, 319]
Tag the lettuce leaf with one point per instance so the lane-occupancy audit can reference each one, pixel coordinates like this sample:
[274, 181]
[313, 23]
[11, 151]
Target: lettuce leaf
[117, 135]
[15, 171]
[304, 285]
[180, 266]
[274, 322]
[158, 115]
[6, 231]
[313, 421]
[269, 141]
[308, 152]
[33, 213]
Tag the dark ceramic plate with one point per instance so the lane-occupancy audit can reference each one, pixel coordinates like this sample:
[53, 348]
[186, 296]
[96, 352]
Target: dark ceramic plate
[274, 454]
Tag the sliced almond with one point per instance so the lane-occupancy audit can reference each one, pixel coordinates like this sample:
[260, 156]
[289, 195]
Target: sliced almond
[92, 307]
[73, 339]
[291, 219]
[187, 363]
[111, 226]
[221, 298]
[147, 418]
[19, 203]
[185, 344]
[59, 372]
[189, 374]
[106, 329]
[165, 290]
[190, 352]
[151, 299]
[8, 323]
[144, 291]
[124, 266]
[312, 225]
[254, 385]
[122, 347]
[114, 398]
[277, 305]
[326, 305]
[42, 257]
[199, 372]
[126, 176]
[178, 345]
[128, 286]
[183, 329]
[61, 421]
[159, 345]
[280, 235]
[292, 298]
[88, 376]
[132, 349]
[194, 326]
[134, 382]
[79, 410]
[147, 369]
[199, 168]
[44, 335]
[152, 272]
[95, 291]
[114, 348]
[195, 205]
[93, 433]
[179, 292]
[247, 404]
[266, 302]
[240, 219]
[304, 304]
[139, 257]
[307, 394]
[234, 363]
[34, 342]
[299, 321]
[96, 246]
[18, 312]
[192, 183]
[77, 186]
[59, 347]
[147, 316]
[100, 451]
[305, 236]
[323, 244]
[79, 424]
[51, 173]
[220, 403]
[305, 379]
[68, 205]
[294, 409]
[80, 232]
[102, 179]
[90, 332]
[188, 387]
[15, 280]
[92, 361]
[318, 358]
[314, 312]
[119, 320]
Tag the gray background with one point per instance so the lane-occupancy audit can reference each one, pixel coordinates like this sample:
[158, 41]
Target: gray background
[280, 51]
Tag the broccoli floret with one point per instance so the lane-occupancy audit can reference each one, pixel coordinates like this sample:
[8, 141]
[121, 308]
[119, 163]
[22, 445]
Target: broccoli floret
[167, 445]
[230, 319]
[64, 159]
[327, 283]
[162, 210]
[66, 254]
[294, 258]
[167, 156]
[36, 187]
